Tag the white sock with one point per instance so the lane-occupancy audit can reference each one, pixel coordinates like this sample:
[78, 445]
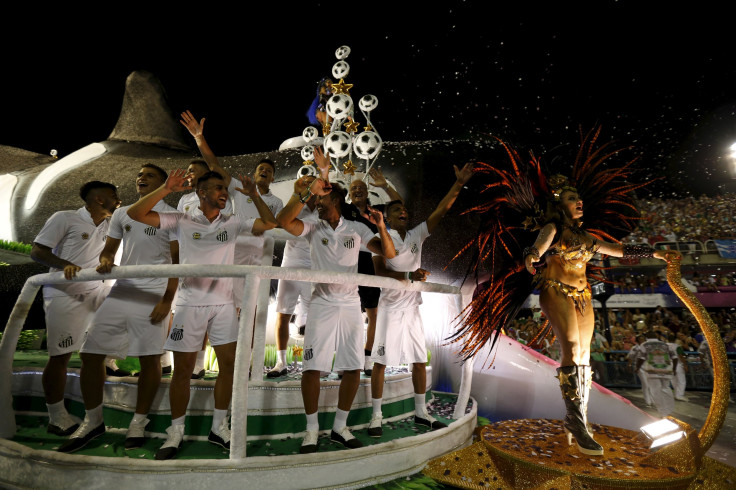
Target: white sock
[217, 417]
[56, 410]
[199, 365]
[377, 406]
[138, 418]
[166, 360]
[341, 418]
[312, 421]
[281, 356]
[420, 403]
[94, 415]
[178, 421]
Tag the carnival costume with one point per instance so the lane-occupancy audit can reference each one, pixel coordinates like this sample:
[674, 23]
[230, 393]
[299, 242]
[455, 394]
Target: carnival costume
[520, 200]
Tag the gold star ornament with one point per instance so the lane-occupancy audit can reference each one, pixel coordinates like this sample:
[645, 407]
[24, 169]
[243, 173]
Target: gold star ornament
[341, 87]
[351, 126]
[349, 168]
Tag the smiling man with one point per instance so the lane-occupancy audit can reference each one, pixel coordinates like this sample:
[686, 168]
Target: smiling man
[132, 320]
[204, 304]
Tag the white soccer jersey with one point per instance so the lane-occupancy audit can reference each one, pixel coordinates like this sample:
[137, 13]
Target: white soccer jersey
[408, 259]
[202, 242]
[296, 250]
[249, 245]
[336, 250]
[142, 244]
[73, 236]
[189, 202]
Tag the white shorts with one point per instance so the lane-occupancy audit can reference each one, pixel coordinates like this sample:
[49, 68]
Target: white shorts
[191, 322]
[122, 326]
[289, 293]
[335, 330]
[67, 318]
[399, 337]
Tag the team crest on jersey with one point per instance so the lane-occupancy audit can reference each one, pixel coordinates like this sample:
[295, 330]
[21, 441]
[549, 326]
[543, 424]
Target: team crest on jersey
[381, 350]
[126, 228]
[222, 236]
[349, 242]
[414, 248]
[177, 334]
[325, 241]
[85, 236]
[150, 231]
[196, 235]
[250, 199]
[308, 354]
[66, 340]
[186, 208]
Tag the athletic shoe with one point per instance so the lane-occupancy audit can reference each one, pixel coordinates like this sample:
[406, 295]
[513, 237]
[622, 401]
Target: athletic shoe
[169, 448]
[82, 436]
[345, 438]
[309, 444]
[278, 370]
[63, 426]
[374, 428]
[112, 369]
[428, 421]
[136, 435]
[221, 436]
[198, 375]
[368, 366]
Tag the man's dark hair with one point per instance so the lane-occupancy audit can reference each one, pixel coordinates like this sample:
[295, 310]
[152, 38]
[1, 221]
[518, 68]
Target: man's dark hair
[209, 175]
[201, 163]
[269, 162]
[387, 209]
[93, 185]
[338, 194]
[161, 172]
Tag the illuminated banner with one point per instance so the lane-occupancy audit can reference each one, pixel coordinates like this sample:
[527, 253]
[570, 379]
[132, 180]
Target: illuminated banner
[726, 248]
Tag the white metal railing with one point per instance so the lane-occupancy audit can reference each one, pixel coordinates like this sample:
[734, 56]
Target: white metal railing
[252, 293]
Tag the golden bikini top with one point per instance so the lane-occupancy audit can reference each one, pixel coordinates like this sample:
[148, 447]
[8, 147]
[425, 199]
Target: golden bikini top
[573, 252]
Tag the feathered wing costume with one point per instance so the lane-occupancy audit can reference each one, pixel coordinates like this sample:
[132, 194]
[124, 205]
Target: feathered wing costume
[514, 209]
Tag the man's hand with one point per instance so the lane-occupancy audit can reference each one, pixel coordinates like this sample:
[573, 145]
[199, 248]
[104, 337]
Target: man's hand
[320, 187]
[249, 186]
[302, 184]
[160, 311]
[463, 175]
[378, 179]
[420, 275]
[188, 121]
[70, 271]
[322, 160]
[376, 217]
[179, 180]
[105, 266]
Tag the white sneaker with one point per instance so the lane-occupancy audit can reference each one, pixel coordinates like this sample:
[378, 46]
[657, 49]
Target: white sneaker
[374, 428]
[169, 448]
[221, 435]
[136, 435]
[278, 370]
[423, 418]
[309, 444]
[85, 433]
[345, 438]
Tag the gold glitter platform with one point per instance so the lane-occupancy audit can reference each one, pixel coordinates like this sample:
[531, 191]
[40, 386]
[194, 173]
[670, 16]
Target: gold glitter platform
[533, 454]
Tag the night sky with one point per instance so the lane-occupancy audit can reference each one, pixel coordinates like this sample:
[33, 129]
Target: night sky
[658, 79]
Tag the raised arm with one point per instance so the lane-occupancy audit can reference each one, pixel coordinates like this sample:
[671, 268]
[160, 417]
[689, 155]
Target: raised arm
[141, 210]
[534, 253]
[267, 220]
[462, 176]
[196, 129]
[378, 180]
[635, 251]
[385, 245]
[304, 188]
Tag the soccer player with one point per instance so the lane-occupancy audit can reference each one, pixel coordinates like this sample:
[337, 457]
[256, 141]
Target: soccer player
[399, 329]
[334, 320]
[133, 319]
[71, 241]
[204, 304]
